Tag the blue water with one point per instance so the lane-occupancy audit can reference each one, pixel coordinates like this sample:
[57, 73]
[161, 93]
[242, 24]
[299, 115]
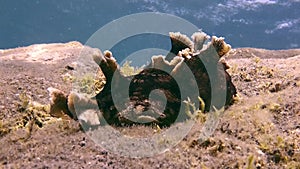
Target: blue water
[270, 24]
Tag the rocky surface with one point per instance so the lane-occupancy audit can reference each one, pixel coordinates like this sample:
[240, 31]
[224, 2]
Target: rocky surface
[261, 130]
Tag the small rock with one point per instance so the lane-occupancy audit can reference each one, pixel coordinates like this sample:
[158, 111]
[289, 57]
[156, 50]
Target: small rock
[260, 152]
[48, 58]
[101, 159]
[276, 88]
[82, 143]
[104, 152]
[110, 163]
[238, 148]
[258, 166]
[69, 67]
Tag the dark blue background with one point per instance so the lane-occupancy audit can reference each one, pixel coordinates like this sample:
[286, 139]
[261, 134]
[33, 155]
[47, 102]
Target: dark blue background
[271, 24]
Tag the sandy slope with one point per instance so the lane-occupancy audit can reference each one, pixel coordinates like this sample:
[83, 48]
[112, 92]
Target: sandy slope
[261, 130]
